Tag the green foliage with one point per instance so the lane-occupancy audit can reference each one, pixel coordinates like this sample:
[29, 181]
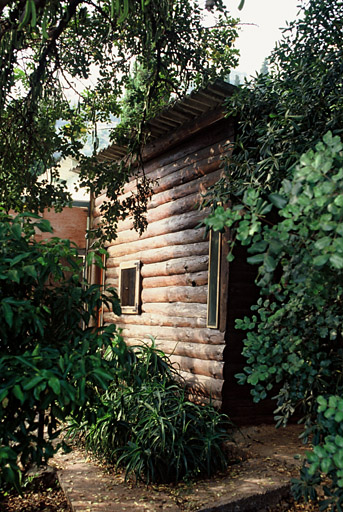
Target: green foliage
[49, 48]
[294, 338]
[50, 355]
[133, 103]
[284, 183]
[286, 112]
[325, 463]
[147, 426]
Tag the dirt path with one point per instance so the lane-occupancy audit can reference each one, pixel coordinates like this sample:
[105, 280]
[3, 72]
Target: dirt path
[260, 478]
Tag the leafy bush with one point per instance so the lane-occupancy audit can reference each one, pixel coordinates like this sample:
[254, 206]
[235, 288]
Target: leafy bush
[148, 426]
[294, 340]
[325, 463]
[51, 360]
[282, 114]
[290, 218]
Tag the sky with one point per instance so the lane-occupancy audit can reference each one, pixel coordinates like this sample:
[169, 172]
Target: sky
[261, 22]
[260, 28]
[256, 40]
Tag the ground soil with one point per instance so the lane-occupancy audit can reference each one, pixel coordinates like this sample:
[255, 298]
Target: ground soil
[43, 498]
[50, 500]
[261, 446]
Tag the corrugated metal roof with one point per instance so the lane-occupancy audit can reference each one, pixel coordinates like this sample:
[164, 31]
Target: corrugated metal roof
[188, 109]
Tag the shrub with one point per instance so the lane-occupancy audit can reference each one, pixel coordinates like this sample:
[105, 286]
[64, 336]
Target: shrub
[148, 426]
[294, 339]
[294, 336]
[324, 465]
[51, 362]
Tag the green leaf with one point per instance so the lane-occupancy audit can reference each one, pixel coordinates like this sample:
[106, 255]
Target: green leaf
[3, 394]
[241, 378]
[277, 200]
[325, 465]
[18, 393]
[8, 313]
[13, 275]
[44, 226]
[16, 230]
[18, 258]
[33, 14]
[329, 413]
[33, 382]
[36, 350]
[323, 243]
[322, 404]
[258, 247]
[253, 378]
[339, 200]
[27, 15]
[320, 260]
[275, 246]
[26, 362]
[103, 374]
[338, 459]
[333, 401]
[55, 385]
[257, 258]
[30, 270]
[269, 263]
[336, 261]
[230, 256]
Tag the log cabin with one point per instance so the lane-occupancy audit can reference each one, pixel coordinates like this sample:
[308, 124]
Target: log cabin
[174, 281]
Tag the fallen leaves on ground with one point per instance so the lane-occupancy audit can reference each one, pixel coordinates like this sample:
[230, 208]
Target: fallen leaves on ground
[289, 505]
[49, 500]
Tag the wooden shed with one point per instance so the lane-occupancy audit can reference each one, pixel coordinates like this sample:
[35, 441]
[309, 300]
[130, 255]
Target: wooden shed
[174, 280]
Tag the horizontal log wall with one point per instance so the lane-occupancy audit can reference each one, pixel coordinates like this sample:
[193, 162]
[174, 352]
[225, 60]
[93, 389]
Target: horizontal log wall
[174, 260]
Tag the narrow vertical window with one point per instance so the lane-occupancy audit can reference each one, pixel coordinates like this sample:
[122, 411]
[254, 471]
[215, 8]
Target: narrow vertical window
[214, 280]
[129, 287]
[101, 281]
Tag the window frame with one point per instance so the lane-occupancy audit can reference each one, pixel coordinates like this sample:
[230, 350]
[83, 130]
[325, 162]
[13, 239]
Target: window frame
[135, 309]
[214, 324]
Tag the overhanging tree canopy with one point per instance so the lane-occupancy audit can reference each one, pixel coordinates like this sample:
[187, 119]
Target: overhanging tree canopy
[47, 44]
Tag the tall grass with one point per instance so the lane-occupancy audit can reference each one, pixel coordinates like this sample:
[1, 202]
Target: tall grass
[147, 426]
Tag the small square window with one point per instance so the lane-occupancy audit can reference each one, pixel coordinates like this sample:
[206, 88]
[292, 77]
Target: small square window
[129, 287]
[214, 280]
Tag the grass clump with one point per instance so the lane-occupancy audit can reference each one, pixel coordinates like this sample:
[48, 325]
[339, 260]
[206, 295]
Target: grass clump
[147, 426]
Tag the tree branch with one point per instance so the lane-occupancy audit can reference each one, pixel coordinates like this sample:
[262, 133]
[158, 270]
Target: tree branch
[50, 47]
